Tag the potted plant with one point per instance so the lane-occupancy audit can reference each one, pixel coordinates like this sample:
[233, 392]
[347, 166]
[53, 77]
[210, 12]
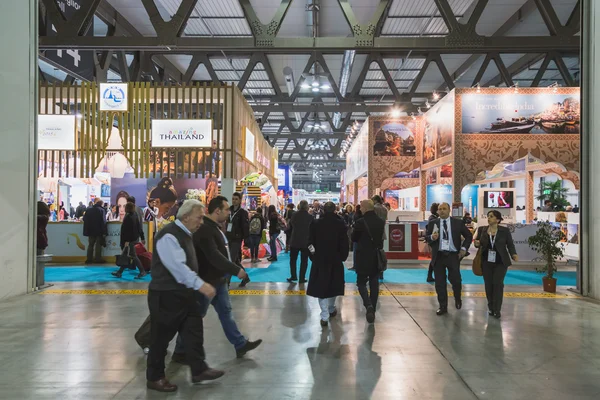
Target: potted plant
[554, 192]
[547, 243]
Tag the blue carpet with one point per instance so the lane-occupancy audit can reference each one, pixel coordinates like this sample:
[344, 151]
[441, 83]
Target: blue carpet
[280, 270]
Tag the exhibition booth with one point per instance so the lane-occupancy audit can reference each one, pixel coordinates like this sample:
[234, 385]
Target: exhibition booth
[151, 141]
[494, 139]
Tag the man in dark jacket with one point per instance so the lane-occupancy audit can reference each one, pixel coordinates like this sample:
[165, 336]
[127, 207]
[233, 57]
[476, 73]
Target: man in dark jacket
[140, 214]
[80, 210]
[214, 265]
[300, 226]
[447, 249]
[368, 236]
[329, 240]
[287, 216]
[238, 230]
[94, 227]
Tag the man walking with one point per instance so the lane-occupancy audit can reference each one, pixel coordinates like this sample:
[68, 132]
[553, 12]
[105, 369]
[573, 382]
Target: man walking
[215, 264]
[382, 213]
[444, 237]
[238, 230]
[329, 240]
[94, 227]
[80, 210]
[140, 214]
[368, 236]
[300, 226]
[173, 299]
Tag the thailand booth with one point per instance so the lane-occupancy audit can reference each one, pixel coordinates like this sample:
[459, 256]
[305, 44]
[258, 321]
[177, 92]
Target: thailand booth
[165, 143]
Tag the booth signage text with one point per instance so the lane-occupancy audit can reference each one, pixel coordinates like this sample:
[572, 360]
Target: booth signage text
[181, 133]
[56, 132]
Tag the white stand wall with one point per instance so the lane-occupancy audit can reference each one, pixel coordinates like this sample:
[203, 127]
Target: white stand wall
[590, 188]
[18, 70]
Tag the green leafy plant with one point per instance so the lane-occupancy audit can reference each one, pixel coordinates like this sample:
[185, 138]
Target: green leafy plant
[554, 192]
[547, 243]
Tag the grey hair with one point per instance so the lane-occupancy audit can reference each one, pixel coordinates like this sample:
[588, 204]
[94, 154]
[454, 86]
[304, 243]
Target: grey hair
[188, 207]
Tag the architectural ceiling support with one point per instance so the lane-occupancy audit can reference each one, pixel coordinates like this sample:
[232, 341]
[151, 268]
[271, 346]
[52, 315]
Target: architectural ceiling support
[562, 68]
[175, 27]
[542, 70]
[386, 73]
[78, 25]
[334, 87]
[419, 77]
[123, 67]
[549, 16]
[197, 59]
[102, 65]
[476, 15]
[574, 22]
[364, 35]
[264, 34]
[515, 68]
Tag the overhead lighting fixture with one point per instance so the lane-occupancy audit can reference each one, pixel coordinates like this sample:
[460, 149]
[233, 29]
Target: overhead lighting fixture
[316, 84]
[325, 87]
[305, 86]
[436, 96]
[516, 86]
[478, 88]
[395, 112]
[315, 89]
[413, 116]
[427, 104]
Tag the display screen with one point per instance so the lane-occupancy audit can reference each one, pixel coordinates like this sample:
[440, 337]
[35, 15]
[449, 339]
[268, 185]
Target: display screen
[498, 199]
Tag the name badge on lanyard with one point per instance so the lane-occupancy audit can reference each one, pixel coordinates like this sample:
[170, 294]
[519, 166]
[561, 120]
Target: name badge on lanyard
[445, 245]
[492, 253]
[230, 224]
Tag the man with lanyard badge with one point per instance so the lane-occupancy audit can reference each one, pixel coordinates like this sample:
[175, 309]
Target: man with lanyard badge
[238, 230]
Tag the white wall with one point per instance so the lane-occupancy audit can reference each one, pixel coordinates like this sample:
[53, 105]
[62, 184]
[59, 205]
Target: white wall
[410, 193]
[18, 29]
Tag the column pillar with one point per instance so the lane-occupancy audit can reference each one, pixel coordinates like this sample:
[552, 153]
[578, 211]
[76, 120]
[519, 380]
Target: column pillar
[18, 110]
[529, 196]
[228, 188]
[590, 149]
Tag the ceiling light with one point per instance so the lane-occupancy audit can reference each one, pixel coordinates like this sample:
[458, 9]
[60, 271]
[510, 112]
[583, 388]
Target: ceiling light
[325, 87]
[516, 86]
[427, 104]
[305, 86]
[315, 89]
[395, 113]
[315, 84]
[436, 96]
[478, 88]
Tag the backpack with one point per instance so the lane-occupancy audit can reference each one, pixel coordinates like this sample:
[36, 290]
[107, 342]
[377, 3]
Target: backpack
[281, 224]
[255, 226]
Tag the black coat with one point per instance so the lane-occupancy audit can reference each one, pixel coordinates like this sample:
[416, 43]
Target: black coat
[213, 260]
[458, 229]
[131, 231]
[366, 249]
[329, 237]
[94, 222]
[503, 243]
[241, 225]
[300, 225]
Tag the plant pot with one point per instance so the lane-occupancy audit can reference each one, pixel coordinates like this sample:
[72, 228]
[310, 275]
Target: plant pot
[549, 284]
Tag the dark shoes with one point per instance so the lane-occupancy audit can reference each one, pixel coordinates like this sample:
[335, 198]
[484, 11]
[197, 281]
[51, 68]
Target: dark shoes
[208, 375]
[442, 311]
[271, 259]
[458, 303]
[324, 323]
[244, 282]
[141, 276]
[497, 315]
[162, 385]
[333, 314]
[249, 346]
[301, 281]
[352, 269]
[179, 358]
[370, 314]
[491, 313]
[291, 280]
[116, 274]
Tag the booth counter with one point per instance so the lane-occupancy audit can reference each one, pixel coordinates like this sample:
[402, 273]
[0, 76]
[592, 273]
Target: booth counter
[66, 242]
[402, 241]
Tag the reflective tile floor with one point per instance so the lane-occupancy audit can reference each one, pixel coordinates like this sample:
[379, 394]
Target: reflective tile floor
[65, 346]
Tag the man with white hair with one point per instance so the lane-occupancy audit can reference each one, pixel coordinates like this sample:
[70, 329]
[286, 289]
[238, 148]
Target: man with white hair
[173, 302]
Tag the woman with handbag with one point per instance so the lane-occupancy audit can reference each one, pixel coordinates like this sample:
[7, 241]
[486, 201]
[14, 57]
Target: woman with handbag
[130, 235]
[497, 249]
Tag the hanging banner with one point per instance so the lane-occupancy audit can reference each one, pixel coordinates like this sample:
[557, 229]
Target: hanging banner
[181, 133]
[249, 146]
[397, 237]
[113, 97]
[56, 132]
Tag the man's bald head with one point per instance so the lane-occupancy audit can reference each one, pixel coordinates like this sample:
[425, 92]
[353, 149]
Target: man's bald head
[367, 205]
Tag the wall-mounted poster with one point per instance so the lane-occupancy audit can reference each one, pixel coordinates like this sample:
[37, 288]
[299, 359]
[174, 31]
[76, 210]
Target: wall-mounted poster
[357, 162]
[446, 171]
[439, 128]
[438, 194]
[520, 113]
[431, 176]
[393, 139]
[470, 197]
[412, 174]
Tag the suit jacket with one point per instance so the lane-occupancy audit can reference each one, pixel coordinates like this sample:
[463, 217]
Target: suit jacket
[458, 230]
[213, 259]
[94, 222]
[300, 225]
[366, 249]
[503, 242]
[241, 225]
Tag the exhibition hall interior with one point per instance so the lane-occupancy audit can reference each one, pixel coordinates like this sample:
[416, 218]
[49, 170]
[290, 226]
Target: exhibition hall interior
[381, 199]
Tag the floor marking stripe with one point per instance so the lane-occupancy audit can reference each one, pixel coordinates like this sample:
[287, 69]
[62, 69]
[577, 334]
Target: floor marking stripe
[237, 292]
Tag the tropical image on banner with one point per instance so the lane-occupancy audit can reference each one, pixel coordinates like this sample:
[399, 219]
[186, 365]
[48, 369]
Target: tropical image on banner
[520, 113]
[438, 194]
[393, 139]
[439, 128]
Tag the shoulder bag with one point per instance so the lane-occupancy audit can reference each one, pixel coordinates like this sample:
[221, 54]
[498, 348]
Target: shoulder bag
[381, 258]
[124, 259]
[477, 260]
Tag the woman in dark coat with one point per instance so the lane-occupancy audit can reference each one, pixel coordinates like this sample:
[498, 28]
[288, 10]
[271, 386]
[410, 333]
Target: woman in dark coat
[131, 231]
[329, 241]
[43, 216]
[434, 215]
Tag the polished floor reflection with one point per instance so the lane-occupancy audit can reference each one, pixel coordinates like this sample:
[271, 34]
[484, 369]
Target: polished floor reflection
[82, 347]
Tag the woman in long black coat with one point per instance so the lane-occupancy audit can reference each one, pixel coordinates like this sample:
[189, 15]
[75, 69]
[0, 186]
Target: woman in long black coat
[329, 238]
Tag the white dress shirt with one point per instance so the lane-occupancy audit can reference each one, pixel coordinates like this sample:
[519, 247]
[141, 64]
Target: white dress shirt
[174, 259]
[450, 239]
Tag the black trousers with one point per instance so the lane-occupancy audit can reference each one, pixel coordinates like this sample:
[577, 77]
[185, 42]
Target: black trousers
[173, 311]
[448, 261]
[369, 297]
[304, 254]
[493, 276]
[94, 250]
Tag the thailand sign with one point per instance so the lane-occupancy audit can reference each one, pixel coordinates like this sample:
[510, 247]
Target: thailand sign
[181, 133]
[56, 132]
[113, 97]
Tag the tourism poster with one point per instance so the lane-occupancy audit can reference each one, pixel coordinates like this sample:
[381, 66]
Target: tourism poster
[393, 139]
[446, 171]
[431, 176]
[397, 237]
[547, 113]
[411, 174]
[439, 127]
[438, 194]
